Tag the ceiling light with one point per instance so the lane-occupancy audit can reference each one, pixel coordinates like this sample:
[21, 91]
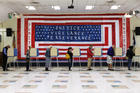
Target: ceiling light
[115, 6]
[89, 7]
[56, 7]
[30, 7]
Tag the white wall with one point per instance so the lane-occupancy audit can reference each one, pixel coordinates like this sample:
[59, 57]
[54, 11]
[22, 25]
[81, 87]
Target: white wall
[135, 22]
[10, 23]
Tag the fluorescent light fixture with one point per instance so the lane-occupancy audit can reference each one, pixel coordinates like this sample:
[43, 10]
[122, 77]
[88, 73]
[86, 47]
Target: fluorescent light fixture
[89, 7]
[115, 6]
[56, 7]
[127, 15]
[30, 7]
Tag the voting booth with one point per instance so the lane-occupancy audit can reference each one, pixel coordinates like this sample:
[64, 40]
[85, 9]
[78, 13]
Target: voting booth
[136, 58]
[54, 53]
[76, 53]
[34, 53]
[12, 56]
[10, 52]
[117, 57]
[98, 53]
[118, 51]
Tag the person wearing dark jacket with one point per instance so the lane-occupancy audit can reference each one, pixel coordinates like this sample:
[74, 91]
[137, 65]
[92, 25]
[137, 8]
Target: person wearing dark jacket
[28, 59]
[130, 55]
[5, 57]
[48, 58]
[71, 57]
[110, 54]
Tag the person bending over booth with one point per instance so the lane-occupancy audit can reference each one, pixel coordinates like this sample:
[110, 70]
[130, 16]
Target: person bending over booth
[71, 57]
[5, 57]
[89, 56]
[48, 58]
[130, 55]
[28, 59]
[110, 54]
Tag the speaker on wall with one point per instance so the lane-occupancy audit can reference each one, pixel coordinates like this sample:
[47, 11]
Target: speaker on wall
[9, 31]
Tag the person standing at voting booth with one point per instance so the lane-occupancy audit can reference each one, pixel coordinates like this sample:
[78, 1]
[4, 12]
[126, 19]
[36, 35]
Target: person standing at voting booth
[89, 56]
[69, 52]
[110, 54]
[28, 59]
[48, 58]
[5, 57]
[130, 55]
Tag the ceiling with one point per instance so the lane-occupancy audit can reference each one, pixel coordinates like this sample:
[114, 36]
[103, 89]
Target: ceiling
[45, 7]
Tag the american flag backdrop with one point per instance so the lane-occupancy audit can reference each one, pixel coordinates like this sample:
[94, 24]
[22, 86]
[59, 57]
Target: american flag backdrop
[75, 30]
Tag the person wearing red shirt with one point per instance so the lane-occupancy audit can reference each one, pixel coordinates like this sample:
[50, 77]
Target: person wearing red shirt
[89, 56]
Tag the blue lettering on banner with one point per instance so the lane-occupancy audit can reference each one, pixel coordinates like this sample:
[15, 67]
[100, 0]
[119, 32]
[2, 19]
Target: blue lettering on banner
[68, 33]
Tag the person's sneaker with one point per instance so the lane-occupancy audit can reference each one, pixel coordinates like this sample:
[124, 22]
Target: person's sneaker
[29, 70]
[70, 70]
[89, 69]
[111, 69]
[7, 70]
[129, 69]
[46, 69]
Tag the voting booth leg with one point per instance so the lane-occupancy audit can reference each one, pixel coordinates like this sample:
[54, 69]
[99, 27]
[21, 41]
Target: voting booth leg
[57, 61]
[136, 64]
[93, 62]
[122, 64]
[15, 63]
[101, 67]
[119, 61]
[79, 64]
[48, 63]
[101, 64]
[37, 61]
[115, 62]
[72, 62]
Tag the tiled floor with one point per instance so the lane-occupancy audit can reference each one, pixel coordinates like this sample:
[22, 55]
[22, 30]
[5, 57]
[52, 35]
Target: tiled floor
[59, 80]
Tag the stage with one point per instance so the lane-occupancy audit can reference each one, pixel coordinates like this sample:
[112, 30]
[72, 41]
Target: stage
[60, 80]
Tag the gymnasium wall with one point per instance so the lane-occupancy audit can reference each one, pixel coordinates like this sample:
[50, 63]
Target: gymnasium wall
[12, 23]
[135, 22]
